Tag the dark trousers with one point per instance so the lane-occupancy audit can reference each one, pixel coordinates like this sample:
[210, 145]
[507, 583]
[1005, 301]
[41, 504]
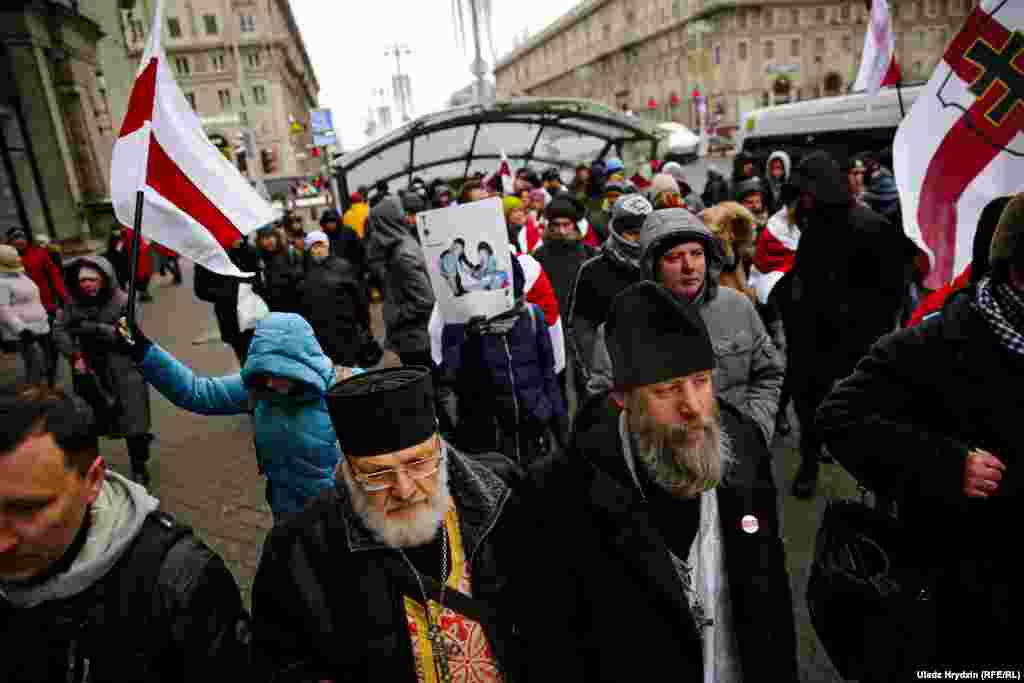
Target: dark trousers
[806, 401]
[226, 313]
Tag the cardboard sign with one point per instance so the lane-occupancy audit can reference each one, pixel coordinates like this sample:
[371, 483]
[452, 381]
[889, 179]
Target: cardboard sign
[469, 259]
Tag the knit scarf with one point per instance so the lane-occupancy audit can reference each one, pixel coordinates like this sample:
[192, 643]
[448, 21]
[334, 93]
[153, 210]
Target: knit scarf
[622, 251]
[1002, 307]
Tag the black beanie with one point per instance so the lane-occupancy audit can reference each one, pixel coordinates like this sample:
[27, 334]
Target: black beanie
[383, 411]
[562, 207]
[653, 337]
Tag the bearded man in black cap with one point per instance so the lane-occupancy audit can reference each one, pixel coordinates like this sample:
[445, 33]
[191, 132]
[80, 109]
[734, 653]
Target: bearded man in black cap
[664, 554]
[399, 572]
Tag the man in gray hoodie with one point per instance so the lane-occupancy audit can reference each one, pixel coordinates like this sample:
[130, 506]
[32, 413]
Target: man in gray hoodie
[680, 253]
[95, 583]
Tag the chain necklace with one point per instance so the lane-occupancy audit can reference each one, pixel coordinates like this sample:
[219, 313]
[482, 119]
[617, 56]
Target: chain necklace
[441, 649]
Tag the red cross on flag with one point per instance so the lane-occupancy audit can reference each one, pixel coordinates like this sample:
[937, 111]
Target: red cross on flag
[961, 144]
[878, 65]
[194, 200]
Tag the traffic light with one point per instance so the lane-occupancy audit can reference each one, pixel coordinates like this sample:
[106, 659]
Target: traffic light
[269, 160]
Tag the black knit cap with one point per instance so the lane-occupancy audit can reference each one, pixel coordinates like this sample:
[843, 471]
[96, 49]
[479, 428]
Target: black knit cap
[654, 337]
[383, 411]
[562, 207]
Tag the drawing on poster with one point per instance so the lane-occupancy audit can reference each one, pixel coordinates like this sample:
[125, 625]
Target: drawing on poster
[468, 258]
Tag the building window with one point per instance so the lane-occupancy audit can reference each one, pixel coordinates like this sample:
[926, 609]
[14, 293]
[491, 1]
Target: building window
[217, 61]
[769, 18]
[742, 52]
[741, 20]
[944, 37]
[819, 15]
[847, 44]
[252, 58]
[173, 27]
[794, 17]
[718, 55]
[769, 49]
[766, 99]
[918, 70]
[921, 38]
[794, 47]
[182, 65]
[248, 23]
[844, 11]
[191, 98]
[225, 98]
[819, 44]
[210, 21]
[138, 30]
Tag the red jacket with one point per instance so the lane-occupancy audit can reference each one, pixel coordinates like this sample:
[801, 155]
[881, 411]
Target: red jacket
[47, 276]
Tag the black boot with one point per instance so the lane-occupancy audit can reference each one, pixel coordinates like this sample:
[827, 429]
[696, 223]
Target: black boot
[138, 452]
[806, 482]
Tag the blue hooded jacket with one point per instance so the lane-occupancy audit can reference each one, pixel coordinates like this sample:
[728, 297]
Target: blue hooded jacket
[295, 441]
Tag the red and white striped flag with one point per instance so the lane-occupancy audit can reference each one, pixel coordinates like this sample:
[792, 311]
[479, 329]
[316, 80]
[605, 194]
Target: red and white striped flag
[961, 144]
[878, 66]
[196, 201]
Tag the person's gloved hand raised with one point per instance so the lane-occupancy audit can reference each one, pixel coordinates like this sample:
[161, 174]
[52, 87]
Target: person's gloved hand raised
[131, 341]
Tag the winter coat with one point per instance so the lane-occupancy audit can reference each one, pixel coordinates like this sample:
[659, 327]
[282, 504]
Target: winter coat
[610, 591]
[296, 446]
[748, 369]
[47, 276]
[186, 623]
[598, 282]
[323, 577]
[395, 258]
[89, 326]
[332, 299]
[902, 424]
[772, 189]
[20, 307]
[562, 262]
[282, 272]
[848, 282]
[716, 189]
[346, 244]
[356, 217]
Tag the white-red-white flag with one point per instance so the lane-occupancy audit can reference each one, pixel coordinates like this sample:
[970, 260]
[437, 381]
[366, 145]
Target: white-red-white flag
[196, 201]
[878, 66]
[961, 145]
[508, 184]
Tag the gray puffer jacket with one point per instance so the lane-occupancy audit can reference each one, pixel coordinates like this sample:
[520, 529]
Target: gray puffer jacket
[748, 369]
[396, 259]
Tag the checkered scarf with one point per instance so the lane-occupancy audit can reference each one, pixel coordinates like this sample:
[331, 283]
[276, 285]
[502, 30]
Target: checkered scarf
[1002, 307]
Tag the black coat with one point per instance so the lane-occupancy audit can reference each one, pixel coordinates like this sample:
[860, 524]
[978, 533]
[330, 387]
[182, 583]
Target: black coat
[902, 424]
[346, 244]
[282, 272]
[332, 299]
[328, 597]
[609, 605]
[561, 261]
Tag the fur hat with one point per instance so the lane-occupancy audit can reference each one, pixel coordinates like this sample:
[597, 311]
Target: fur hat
[654, 337]
[562, 207]
[732, 223]
[10, 261]
[1006, 241]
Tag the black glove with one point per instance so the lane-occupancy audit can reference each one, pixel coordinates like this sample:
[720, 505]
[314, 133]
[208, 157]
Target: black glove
[475, 326]
[131, 341]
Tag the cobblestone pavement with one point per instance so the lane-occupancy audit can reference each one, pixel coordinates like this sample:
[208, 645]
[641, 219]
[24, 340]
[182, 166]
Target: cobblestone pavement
[204, 468]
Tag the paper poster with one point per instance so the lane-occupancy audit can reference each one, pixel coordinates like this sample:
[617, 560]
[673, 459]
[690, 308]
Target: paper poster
[469, 259]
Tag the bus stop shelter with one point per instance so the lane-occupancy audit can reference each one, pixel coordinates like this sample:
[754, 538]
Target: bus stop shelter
[535, 131]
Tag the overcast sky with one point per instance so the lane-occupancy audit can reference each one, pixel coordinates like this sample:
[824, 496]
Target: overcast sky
[347, 41]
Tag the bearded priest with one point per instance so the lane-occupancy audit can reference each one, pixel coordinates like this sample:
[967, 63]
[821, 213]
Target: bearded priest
[662, 543]
[399, 572]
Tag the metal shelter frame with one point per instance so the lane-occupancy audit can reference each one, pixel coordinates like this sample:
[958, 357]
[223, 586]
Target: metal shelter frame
[584, 118]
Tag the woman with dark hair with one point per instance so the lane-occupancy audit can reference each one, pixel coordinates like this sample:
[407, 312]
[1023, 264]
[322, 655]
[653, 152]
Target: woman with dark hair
[487, 272]
[453, 263]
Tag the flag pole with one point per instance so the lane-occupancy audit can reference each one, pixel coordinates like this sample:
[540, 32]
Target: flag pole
[136, 242]
[899, 96]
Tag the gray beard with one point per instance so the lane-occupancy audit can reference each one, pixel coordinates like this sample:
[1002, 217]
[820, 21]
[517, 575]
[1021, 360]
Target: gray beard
[405, 533]
[672, 463]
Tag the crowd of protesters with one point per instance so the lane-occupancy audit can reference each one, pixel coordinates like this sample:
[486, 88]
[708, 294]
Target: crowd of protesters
[581, 488]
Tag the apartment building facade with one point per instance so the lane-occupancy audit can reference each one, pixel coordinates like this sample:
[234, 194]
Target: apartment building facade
[656, 57]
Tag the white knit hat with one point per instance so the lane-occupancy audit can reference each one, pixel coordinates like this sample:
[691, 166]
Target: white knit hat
[316, 236]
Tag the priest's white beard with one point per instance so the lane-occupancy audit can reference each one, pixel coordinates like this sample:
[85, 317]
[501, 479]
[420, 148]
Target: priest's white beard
[678, 466]
[401, 533]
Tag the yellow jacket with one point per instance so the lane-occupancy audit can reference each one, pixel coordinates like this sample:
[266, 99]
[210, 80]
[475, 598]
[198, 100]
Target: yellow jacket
[355, 217]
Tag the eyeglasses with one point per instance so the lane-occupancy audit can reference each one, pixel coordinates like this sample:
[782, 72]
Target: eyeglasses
[387, 479]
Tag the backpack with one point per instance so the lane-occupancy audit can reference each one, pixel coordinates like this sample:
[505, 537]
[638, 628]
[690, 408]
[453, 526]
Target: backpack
[111, 631]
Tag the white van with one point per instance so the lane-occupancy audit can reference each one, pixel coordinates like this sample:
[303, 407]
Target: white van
[843, 126]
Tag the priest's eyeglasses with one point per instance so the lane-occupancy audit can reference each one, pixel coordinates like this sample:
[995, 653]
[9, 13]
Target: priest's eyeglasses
[386, 479]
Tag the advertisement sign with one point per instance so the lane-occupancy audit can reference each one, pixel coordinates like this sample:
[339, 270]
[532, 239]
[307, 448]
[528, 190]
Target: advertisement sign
[322, 123]
[469, 259]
